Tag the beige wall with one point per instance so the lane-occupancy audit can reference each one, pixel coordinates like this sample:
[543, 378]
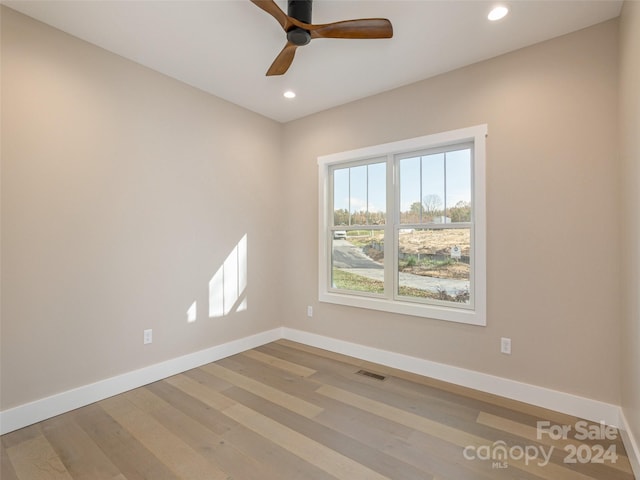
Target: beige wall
[553, 241]
[630, 155]
[123, 191]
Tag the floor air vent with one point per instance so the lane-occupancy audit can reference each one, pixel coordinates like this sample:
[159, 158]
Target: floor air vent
[366, 373]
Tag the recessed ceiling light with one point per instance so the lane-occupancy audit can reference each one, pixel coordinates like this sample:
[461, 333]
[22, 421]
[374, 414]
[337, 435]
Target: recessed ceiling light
[289, 94]
[497, 13]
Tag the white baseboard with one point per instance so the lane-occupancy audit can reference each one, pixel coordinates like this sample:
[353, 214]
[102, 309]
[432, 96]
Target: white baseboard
[577, 406]
[630, 444]
[38, 410]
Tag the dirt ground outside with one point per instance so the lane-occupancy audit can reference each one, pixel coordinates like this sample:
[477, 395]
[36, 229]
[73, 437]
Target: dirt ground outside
[426, 252]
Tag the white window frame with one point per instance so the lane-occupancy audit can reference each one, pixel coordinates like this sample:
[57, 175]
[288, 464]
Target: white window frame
[474, 314]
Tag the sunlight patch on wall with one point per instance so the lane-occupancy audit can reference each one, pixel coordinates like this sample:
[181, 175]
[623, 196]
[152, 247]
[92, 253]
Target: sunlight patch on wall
[227, 287]
[192, 313]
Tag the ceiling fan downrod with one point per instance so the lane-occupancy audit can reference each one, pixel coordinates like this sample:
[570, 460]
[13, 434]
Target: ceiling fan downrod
[300, 10]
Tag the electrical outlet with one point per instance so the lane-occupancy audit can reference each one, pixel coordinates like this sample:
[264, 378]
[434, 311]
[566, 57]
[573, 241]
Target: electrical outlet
[309, 311]
[147, 336]
[505, 345]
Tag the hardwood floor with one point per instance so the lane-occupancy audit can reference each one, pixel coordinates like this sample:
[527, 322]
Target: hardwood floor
[288, 411]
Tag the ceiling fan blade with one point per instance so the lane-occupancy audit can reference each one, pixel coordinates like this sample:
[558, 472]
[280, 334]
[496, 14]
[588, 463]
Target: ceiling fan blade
[274, 10]
[283, 61]
[299, 33]
[361, 28]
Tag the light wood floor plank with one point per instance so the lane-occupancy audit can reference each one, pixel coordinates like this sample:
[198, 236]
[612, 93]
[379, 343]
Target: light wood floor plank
[82, 457]
[449, 434]
[134, 461]
[298, 387]
[18, 436]
[207, 443]
[285, 365]
[301, 407]
[440, 460]
[208, 417]
[531, 433]
[424, 404]
[206, 395]
[276, 462]
[398, 441]
[164, 444]
[402, 417]
[36, 459]
[311, 451]
[353, 447]
[7, 472]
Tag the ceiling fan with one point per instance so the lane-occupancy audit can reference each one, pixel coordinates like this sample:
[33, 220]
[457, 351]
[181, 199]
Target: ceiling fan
[300, 31]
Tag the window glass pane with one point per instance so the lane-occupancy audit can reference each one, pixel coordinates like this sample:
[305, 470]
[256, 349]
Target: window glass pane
[357, 261]
[360, 195]
[434, 264]
[459, 185]
[410, 201]
[433, 188]
[377, 193]
[358, 198]
[341, 196]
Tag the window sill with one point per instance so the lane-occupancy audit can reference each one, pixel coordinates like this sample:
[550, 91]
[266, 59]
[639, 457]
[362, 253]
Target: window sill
[467, 316]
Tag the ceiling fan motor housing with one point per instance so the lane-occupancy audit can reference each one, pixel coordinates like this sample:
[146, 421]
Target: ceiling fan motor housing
[300, 10]
[298, 36]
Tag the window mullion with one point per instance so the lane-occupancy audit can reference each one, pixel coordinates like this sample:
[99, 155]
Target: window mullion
[421, 192]
[390, 265]
[445, 189]
[367, 214]
[349, 202]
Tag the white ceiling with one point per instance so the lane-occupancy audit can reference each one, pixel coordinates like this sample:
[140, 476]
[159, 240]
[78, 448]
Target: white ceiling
[225, 46]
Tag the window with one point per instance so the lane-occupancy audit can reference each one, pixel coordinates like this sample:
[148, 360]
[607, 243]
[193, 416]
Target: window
[402, 227]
